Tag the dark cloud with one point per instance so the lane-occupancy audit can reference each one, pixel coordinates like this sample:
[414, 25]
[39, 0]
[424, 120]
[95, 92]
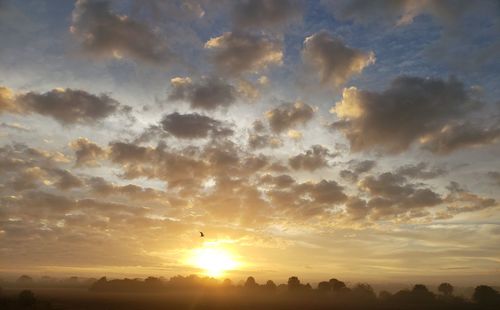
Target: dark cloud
[207, 94]
[87, 152]
[459, 136]
[260, 141]
[104, 33]
[412, 109]
[264, 13]
[464, 44]
[495, 176]
[178, 10]
[305, 200]
[26, 179]
[460, 200]
[420, 171]
[398, 12]
[356, 209]
[67, 180]
[67, 106]
[151, 133]
[357, 168]
[176, 167]
[280, 181]
[70, 106]
[323, 192]
[25, 168]
[237, 53]
[392, 195]
[289, 115]
[20, 156]
[134, 192]
[193, 126]
[128, 153]
[333, 60]
[259, 137]
[312, 159]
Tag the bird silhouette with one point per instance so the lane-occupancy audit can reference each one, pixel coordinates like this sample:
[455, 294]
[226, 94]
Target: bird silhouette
[202, 234]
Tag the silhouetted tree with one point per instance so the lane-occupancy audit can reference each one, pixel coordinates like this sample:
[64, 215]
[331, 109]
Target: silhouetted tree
[99, 285]
[336, 285]
[445, 288]
[384, 295]
[420, 294]
[46, 280]
[153, 283]
[25, 280]
[270, 285]
[250, 283]
[420, 288]
[227, 283]
[363, 291]
[324, 286]
[294, 283]
[27, 298]
[485, 295]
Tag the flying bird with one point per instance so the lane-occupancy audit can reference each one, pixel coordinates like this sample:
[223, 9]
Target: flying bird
[202, 234]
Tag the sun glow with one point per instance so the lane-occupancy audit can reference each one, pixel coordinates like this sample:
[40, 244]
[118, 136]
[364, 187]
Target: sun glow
[213, 259]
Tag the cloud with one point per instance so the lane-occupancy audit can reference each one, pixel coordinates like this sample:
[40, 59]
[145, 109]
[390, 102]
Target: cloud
[106, 34]
[27, 178]
[7, 101]
[102, 187]
[207, 94]
[312, 159]
[392, 195]
[67, 180]
[176, 10]
[289, 115]
[27, 168]
[357, 168]
[280, 181]
[15, 126]
[260, 141]
[19, 156]
[259, 137]
[295, 134]
[179, 168]
[356, 209]
[264, 13]
[461, 201]
[87, 153]
[458, 136]
[323, 192]
[397, 12]
[129, 153]
[495, 176]
[334, 61]
[305, 200]
[67, 106]
[420, 171]
[464, 44]
[238, 53]
[411, 110]
[193, 126]
[251, 91]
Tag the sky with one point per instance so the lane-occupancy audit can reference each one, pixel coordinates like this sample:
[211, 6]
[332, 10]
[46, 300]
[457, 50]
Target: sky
[355, 139]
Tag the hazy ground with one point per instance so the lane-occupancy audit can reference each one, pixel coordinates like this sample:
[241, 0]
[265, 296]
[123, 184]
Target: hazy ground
[80, 298]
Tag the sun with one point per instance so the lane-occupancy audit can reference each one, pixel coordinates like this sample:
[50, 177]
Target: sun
[213, 260]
